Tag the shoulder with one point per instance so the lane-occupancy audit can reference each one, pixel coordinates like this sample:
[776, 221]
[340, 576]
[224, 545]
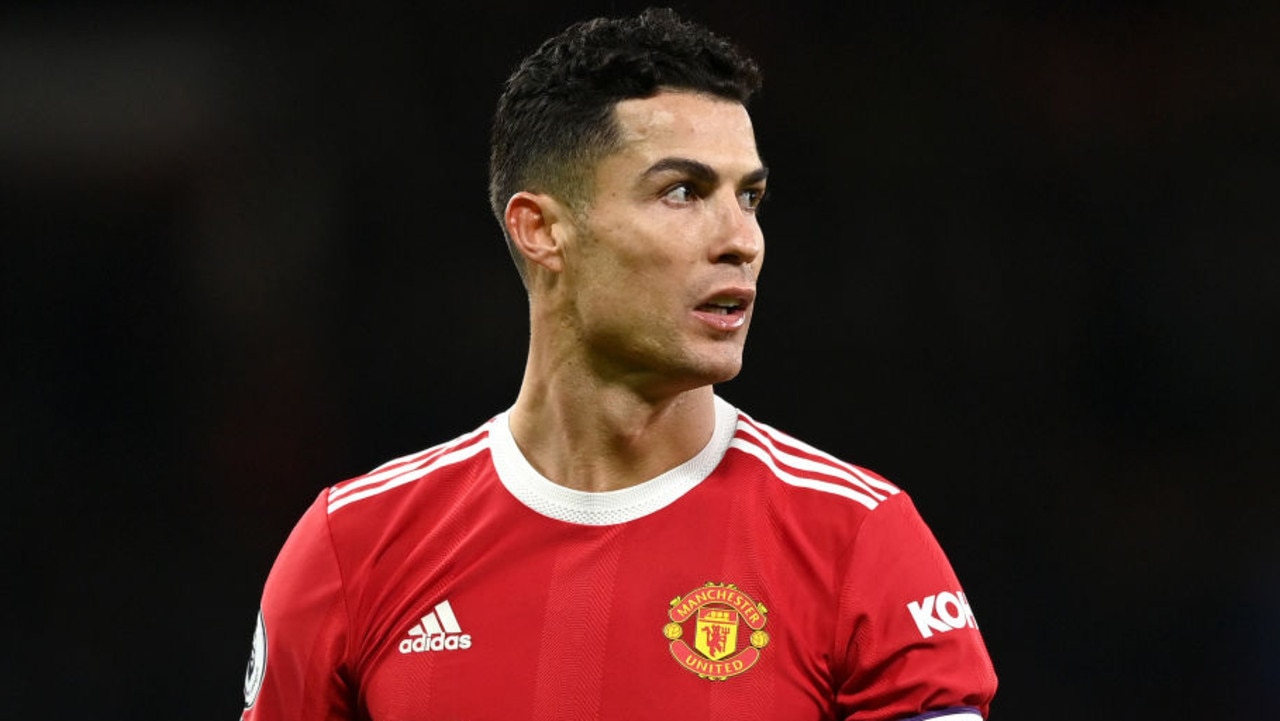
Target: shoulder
[392, 482]
[801, 469]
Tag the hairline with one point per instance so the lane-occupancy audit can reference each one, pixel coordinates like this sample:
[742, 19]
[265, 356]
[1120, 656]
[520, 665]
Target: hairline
[580, 172]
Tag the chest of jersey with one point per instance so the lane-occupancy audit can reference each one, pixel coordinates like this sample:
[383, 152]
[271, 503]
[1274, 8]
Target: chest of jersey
[703, 610]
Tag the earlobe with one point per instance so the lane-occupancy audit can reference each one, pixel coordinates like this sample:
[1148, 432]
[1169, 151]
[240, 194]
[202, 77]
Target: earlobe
[531, 220]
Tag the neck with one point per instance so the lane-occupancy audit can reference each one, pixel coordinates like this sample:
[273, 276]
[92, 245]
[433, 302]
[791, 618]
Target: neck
[587, 434]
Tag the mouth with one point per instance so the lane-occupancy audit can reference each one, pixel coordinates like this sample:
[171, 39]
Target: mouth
[726, 306]
[726, 310]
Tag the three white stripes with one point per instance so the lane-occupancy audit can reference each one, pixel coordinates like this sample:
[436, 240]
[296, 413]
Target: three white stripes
[436, 631]
[427, 461]
[446, 623]
[862, 487]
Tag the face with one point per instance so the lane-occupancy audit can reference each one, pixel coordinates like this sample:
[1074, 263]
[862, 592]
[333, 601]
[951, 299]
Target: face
[660, 269]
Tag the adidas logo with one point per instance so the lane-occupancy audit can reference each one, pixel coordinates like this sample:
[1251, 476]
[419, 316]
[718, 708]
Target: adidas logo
[437, 631]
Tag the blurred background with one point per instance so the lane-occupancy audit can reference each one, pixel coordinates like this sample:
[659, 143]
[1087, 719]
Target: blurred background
[1022, 260]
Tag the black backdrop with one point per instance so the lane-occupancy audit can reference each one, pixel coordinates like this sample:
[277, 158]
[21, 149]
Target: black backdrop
[1022, 260]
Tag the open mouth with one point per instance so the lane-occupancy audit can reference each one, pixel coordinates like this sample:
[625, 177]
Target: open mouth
[725, 311]
[722, 307]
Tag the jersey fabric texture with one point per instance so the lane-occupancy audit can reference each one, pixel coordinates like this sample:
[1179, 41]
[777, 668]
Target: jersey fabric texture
[761, 579]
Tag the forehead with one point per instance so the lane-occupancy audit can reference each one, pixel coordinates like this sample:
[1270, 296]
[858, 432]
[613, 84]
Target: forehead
[689, 125]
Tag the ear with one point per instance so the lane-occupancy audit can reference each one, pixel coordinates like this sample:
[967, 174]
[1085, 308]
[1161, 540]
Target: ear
[536, 224]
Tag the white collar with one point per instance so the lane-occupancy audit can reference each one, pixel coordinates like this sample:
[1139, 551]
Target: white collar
[605, 508]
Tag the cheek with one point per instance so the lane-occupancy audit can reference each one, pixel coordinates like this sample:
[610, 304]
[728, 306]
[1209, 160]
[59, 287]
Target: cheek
[640, 255]
[649, 250]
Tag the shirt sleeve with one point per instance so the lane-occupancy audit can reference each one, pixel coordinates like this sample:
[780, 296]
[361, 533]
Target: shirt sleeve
[298, 668]
[910, 642]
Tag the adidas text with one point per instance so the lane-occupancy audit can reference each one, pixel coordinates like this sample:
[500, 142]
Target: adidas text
[435, 643]
[437, 631]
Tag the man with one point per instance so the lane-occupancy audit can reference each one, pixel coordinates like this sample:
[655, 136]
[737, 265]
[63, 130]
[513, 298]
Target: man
[621, 543]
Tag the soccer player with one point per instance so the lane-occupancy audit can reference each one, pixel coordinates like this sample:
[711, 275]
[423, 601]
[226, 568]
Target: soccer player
[621, 543]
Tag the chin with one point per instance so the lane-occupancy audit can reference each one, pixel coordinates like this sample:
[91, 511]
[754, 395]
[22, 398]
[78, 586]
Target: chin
[684, 369]
[720, 370]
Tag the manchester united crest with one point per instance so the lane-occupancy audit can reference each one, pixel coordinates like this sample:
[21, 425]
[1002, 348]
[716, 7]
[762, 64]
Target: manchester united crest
[725, 626]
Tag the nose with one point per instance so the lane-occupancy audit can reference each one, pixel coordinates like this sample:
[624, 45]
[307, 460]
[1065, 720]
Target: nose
[739, 240]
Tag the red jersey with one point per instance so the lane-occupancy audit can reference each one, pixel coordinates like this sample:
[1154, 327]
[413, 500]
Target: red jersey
[761, 579]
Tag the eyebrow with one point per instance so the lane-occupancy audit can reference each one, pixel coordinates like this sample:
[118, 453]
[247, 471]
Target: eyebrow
[701, 172]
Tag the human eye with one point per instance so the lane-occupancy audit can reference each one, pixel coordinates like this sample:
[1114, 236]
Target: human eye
[750, 198]
[680, 194]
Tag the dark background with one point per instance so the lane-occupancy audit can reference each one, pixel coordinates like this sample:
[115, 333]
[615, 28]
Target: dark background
[1022, 260]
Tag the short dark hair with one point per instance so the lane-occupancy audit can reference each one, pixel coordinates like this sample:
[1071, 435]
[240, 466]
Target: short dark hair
[555, 119]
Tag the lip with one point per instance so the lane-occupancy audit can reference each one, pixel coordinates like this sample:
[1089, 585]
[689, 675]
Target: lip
[726, 309]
